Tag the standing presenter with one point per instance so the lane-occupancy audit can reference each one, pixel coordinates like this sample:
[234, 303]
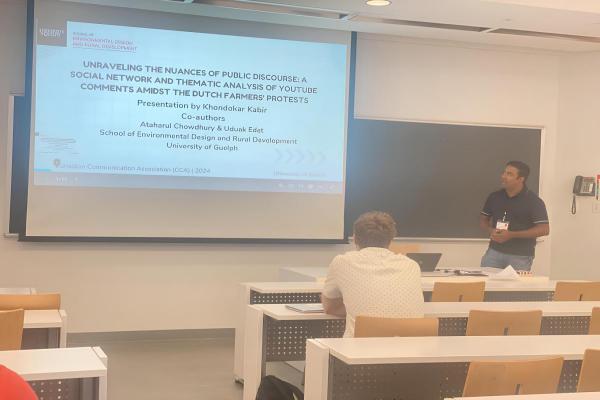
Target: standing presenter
[513, 217]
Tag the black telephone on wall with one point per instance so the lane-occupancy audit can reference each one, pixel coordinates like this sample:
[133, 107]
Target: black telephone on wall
[584, 186]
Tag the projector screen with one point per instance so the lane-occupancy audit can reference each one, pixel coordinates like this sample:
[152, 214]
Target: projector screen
[165, 125]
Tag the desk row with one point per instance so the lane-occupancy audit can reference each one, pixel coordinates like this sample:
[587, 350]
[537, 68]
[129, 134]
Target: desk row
[276, 333]
[44, 329]
[536, 288]
[426, 367]
[78, 373]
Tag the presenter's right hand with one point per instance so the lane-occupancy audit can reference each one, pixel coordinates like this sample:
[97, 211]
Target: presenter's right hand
[500, 235]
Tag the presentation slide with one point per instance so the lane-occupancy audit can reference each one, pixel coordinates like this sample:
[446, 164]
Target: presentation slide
[124, 106]
[166, 125]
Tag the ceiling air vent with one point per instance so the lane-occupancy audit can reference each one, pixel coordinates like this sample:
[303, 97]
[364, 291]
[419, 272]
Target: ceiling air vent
[547, 35]
[274, 8]
[420, 24]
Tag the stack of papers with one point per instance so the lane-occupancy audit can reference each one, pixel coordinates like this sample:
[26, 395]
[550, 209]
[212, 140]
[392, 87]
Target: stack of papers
[507, 274]
[306, 308]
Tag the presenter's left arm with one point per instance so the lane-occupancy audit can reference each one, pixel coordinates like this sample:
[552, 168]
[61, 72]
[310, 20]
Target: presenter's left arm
[535, 231]
[541, 226]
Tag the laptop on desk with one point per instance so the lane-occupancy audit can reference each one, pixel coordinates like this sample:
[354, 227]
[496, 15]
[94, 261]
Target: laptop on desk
[427, 261]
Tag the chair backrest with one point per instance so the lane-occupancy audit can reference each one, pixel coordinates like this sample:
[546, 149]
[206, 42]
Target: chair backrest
[589, 375]
[46, 301]
[385, 327]
[577, 291]
[504, 323]
[496, 378]
[11, 329]
[595, 322]
[403, 248]
[458, 291]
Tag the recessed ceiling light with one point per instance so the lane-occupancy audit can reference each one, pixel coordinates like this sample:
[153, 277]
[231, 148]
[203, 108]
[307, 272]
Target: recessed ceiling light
[379, 3]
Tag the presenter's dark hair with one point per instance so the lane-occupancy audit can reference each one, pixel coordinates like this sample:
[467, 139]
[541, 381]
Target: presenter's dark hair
[374, 229]
[521, 167]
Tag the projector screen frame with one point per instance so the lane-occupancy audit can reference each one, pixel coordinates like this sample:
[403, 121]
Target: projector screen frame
[23, 236]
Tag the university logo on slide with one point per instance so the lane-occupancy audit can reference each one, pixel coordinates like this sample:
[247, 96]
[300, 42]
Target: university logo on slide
[54, 35]
[51, 33]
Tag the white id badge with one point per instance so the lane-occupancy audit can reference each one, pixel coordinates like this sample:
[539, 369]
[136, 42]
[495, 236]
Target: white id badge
[502, 225]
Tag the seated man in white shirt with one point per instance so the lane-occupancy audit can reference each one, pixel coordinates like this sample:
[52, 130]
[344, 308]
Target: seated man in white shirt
[373, 281]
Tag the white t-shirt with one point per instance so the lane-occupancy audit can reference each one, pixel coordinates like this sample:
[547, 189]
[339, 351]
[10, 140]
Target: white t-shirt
[375, 282]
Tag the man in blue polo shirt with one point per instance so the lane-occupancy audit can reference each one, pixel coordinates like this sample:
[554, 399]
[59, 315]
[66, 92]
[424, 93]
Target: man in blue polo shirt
[513, 217]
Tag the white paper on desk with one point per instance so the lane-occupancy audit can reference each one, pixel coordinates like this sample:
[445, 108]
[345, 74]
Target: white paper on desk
[306, 308]
[507, 274]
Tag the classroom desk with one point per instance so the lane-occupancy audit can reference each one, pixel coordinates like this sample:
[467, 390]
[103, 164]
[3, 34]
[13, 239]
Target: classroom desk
[17, 291]
[44, 329]
[318, 274]
[553, 396]
[275, 333]
[302, 274]
[523, 289]
[78, 373]
[425, 367]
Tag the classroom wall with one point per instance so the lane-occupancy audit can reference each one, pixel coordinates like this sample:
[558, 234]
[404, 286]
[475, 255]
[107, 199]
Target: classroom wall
[120, 287]
[574, 251]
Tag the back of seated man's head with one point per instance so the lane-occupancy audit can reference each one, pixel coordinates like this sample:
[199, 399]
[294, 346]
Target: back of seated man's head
[374, 229]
